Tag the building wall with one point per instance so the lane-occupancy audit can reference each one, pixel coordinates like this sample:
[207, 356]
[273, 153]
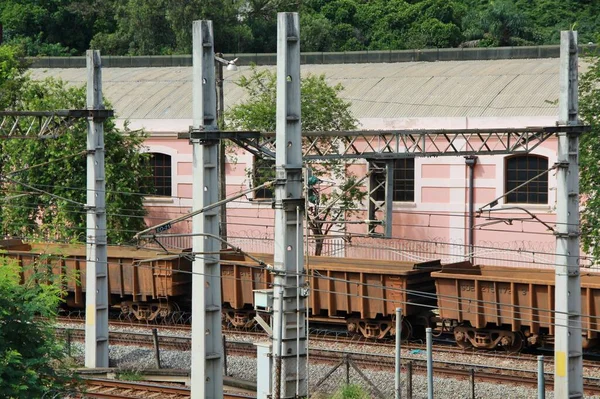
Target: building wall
[433, 225]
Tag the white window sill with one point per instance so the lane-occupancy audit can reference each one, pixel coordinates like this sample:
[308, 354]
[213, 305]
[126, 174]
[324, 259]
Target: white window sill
[403, 205]
[400, 204]
[529, 207]
[261, 201]
[158, 200]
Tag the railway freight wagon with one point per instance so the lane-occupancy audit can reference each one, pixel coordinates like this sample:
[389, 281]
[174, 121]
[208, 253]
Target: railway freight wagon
[141, 282]
[362, 294]
[490, 306]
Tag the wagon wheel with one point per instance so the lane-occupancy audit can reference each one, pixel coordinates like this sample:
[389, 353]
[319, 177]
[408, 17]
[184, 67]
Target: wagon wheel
[407, 330]
[462, 340]
[517, 343]
[464, 344]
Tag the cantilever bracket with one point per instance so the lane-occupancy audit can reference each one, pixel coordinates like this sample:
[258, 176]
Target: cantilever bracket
[511, 220]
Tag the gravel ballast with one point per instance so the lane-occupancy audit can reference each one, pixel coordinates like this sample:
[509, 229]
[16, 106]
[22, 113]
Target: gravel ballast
[131, 358]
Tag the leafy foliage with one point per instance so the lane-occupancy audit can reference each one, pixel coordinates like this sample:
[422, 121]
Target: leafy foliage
[500, 24]
[142, 29]
[12, 70]
[45, 180]
[322, 109]
[152, 27]
[589, 147]
[30, 356]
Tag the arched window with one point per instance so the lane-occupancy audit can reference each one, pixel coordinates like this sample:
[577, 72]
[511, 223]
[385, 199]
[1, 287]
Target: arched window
[161, 174]
[520, 169]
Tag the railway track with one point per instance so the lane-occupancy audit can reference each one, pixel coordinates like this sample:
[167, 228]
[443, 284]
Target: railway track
[492, 374]
[174, 342]
[113, 389]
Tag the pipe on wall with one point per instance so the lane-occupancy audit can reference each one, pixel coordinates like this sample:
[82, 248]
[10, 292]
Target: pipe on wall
[470, 161]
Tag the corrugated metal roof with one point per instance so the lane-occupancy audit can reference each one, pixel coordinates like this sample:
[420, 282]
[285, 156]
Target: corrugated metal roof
[496, 88]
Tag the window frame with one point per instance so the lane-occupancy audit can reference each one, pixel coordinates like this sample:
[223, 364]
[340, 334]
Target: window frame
[401, 195]
[164, 190]
[532, 193]
[263, 194]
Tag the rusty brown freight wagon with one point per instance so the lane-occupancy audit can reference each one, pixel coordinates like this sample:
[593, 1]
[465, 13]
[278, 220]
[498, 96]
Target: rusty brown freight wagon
[141, 282]
[360, 293]
[491, 306]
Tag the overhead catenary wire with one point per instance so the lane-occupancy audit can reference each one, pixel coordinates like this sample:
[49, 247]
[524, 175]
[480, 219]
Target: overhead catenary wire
[429, 241]
[28, 168]
[79, 210]
[345, 236]
[267, 203]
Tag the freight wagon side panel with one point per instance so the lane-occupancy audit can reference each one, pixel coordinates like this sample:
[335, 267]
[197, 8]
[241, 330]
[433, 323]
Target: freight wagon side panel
[239, 280]
[590, 305]
[370, 289]
[160, 277]
[494, 296]
[486, 299]
[331, 293]
[138, 273]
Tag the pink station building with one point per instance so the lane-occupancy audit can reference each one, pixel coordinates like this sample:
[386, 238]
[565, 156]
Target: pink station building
[387, 92]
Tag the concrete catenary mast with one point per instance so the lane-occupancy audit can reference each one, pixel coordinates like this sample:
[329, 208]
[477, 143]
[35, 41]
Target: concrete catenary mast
[207, 349]
[289, 305]
[568, 359]
[96, 294]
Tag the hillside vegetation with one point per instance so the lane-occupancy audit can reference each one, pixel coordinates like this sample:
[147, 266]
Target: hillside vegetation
[151, 27]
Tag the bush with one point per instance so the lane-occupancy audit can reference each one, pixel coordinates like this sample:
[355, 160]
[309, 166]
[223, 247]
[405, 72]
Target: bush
[351, 391]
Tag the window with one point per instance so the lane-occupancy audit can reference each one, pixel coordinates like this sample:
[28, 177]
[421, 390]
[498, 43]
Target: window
[520, 169]
[403, 183]
[160, 183]
[262, 172]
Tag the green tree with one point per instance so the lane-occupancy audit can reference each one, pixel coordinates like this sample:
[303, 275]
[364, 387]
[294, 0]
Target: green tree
[44, 181]
[322, 110]
[316, 33]
[229, 34]
[589, 161]
[501, 23]
[141, 29]
[47, 27]
[30, 356]
[12, 68]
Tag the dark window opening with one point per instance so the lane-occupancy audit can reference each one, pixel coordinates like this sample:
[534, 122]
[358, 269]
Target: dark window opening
[403, 189]
[262, 172]
[160, 181]
[520, 169]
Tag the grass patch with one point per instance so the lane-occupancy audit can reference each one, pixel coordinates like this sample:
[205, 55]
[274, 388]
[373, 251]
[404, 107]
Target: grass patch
[351, 391]
[129, 375]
